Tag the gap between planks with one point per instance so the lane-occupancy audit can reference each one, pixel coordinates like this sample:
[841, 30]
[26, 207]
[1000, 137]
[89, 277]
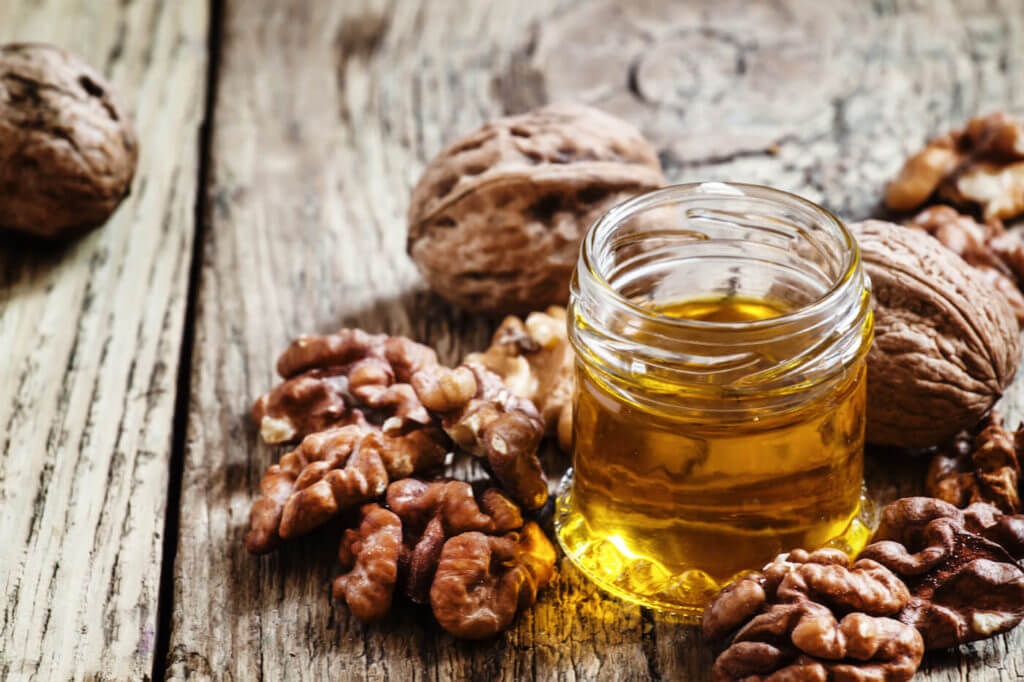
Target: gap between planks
[165, 593]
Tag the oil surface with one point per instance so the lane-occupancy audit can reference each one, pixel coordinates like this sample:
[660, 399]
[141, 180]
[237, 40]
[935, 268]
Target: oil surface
[665, 511]
[731, 309]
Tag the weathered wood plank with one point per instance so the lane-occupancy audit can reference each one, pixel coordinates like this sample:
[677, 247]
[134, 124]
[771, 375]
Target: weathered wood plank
[325, 115]
[91, 337]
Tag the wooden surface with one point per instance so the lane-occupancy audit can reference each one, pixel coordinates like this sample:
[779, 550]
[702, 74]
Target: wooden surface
[91, 336]
[322, 116]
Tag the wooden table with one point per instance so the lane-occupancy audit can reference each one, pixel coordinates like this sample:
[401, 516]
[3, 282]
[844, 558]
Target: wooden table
[280, 141]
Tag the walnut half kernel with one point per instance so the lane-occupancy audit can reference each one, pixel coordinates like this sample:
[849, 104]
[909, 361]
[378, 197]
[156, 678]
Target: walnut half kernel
[372, 411]
[535, 360]
[962, 568]
[984, 467]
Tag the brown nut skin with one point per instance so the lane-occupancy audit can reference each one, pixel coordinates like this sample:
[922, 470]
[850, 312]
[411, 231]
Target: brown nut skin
[921, 174]
[303, 405]
[813, 616]
[330, 447]
[856, 648]
[978, 166]
[419, 502]
[67, 147]
[401, 547]
[961, 234]
[495, 222]
[964, 585]
[945, 345]
[735, 604]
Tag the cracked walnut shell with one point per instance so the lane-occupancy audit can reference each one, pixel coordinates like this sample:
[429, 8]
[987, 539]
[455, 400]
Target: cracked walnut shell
[945, 346]
[496, 221]
[67, 147]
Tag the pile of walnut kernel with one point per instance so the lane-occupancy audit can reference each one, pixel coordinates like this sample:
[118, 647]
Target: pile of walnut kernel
[374, 418]
[933, 577]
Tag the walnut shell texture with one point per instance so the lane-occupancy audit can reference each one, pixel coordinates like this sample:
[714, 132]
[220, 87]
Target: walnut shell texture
[495, 222]
[945, 344]
[67, 148]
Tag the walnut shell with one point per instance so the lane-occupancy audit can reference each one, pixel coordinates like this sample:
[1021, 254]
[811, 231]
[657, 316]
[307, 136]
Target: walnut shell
[495, 222]
[945, 344]
[67, 148]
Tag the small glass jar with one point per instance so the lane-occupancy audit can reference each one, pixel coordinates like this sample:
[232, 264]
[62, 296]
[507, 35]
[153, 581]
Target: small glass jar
[720, 333]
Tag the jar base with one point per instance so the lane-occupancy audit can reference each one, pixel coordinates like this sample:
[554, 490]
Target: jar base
[610, 564]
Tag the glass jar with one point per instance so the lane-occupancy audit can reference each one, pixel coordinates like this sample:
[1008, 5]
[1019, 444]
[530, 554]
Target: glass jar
[720, 333]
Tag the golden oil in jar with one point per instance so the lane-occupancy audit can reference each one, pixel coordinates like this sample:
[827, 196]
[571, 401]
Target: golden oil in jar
[712, 432]
[691, 505]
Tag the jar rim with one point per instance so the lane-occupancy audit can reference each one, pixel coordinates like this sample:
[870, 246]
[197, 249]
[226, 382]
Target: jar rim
[710, 189]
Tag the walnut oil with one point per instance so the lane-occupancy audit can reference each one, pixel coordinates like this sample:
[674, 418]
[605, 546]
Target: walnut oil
[719, 420]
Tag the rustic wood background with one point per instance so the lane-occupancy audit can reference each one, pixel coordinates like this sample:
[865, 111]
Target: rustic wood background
[280, 141]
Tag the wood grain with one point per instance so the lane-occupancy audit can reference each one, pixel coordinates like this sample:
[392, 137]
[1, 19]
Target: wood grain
[325, 114]
[91, 336]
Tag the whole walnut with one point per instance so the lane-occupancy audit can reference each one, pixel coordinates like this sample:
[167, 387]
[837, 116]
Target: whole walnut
[946, 345]
[495, 222]
[67, 148]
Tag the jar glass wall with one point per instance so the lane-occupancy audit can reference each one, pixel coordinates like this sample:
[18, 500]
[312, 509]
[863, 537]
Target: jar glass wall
[720, 333]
